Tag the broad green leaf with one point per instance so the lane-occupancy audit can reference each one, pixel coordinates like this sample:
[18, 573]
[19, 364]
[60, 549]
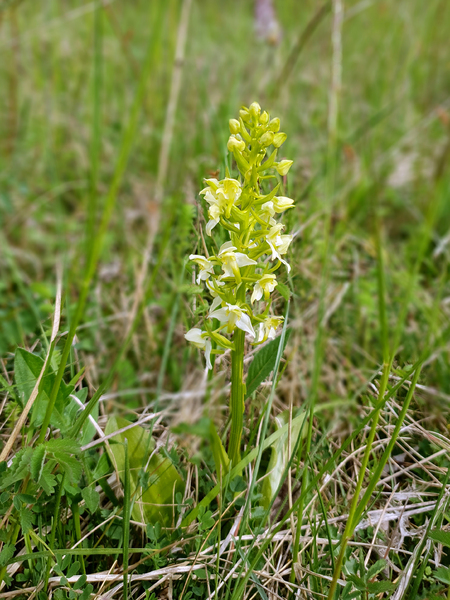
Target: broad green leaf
[280, 456]
[442, 574]
[443, 537]
[92, 498]
[284, 291]
[156, 503]
[264, 363]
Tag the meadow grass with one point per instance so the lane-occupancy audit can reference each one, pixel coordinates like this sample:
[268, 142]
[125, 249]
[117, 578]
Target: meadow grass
[112, 118]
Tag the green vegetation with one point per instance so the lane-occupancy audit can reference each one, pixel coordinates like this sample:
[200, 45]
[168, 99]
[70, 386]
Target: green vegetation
[115, 481]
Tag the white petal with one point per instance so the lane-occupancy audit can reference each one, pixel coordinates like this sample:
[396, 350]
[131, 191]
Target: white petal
[288, 266]
[272, 333]
[223, 314]
[194, 336]
[208, 354]
[243, 260]
[210, 226]
[245, 324]
[274, 252]
[257, 293]
[215, 303]
[226, 247]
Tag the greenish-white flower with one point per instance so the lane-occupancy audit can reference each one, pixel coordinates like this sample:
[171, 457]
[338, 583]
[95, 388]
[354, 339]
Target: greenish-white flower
[206, 267]
[234, 316]
[232, 260]
[221, 197]
[198, 338]
[268, 329]
[281, 203]
[279, 244]
[264, 287]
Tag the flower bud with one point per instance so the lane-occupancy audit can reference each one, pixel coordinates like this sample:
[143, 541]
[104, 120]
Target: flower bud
[266, 139]
[235, 126]
[255, 110]
[244, 114]
[235, 145]
[283, 166]
[264, 118]
[278, 139]
[281, 203]
[274, 125]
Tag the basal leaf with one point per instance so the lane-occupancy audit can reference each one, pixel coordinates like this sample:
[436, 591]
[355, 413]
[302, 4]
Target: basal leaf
[156, 503]
[264, 363]
[279, 457]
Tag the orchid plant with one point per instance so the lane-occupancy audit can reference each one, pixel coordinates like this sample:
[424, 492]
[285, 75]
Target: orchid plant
[241, 276]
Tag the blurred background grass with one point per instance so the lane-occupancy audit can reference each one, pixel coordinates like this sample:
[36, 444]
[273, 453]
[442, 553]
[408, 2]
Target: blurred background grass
[392, 164]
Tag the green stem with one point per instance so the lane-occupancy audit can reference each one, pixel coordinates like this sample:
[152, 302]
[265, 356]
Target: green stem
[237, 388]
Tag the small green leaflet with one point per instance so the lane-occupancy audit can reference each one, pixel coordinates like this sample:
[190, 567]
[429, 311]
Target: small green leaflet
[92, 498]
[443, 537]
[26, 519]
[264, 363]
[6, 553]
[37, 462]
[442, 574]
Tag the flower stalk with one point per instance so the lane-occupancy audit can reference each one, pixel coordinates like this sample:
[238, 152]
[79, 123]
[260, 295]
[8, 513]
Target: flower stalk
[240, 276]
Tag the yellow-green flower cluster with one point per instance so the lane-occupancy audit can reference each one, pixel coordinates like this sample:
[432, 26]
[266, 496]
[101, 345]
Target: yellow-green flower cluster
[242, 271]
